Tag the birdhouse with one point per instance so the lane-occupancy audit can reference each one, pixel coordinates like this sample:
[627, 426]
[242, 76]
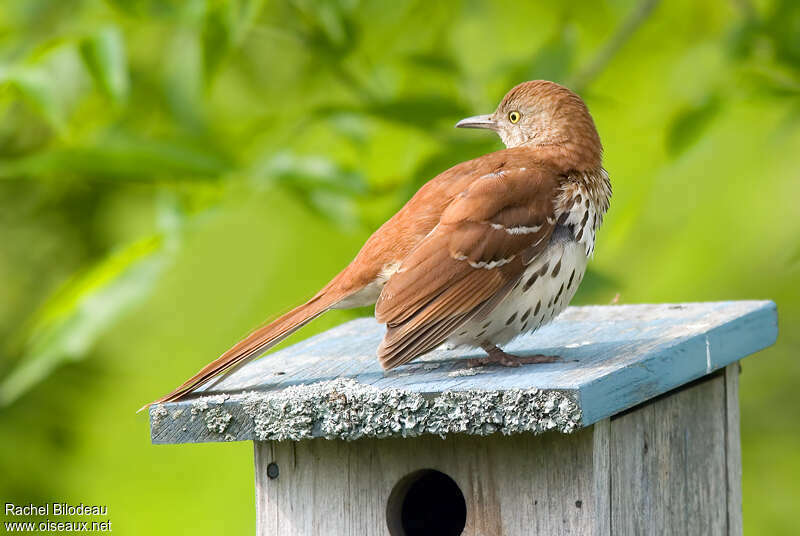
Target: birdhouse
[634, 431]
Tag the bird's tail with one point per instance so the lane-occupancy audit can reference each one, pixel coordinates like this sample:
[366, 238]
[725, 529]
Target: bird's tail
[257, 342]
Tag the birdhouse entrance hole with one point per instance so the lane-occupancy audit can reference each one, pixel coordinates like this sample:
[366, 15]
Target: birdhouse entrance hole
[426, 502]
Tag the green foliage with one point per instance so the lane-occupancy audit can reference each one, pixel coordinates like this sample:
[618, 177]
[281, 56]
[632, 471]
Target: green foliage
[689, 124]
[173, 173]
[104, 55]
[70, 321]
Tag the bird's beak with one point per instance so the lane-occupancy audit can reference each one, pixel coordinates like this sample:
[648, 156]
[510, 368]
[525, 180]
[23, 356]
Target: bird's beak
[478, 121]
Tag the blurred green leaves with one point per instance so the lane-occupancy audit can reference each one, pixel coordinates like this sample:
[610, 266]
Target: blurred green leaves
[37, 89]
[554, 60]
[421, 111]
[690, 123]
[103, 52]
[110, 118]
[225, 27]
[69, 322]
[327, 188]
[310, 173]
[120, 158]
[327, 28]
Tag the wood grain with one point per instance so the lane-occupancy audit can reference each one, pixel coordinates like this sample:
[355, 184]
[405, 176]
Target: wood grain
[517, 485]
[601, 452]
[733, 450]
[668, 464]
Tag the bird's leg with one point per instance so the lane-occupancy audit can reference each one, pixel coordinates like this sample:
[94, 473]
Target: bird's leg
[496, 356]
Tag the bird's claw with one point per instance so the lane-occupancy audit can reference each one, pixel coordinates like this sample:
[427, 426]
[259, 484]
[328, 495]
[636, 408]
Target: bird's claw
[497, 356]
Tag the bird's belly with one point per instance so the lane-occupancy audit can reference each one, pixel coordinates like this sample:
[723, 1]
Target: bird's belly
[543, 291]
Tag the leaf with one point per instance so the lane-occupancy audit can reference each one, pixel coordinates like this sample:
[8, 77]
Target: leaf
[247, 13]
[422, 111]
[68, 324]
[351, 126]
[327, 28]
[781, 28]
[225, 26]
[217, 36]
[339, 208]
[36, 87]
[325, 187]
[552, 61]
[310, 173]
[690, 124]
[184, 75]
[436, 61]
[125, 159]
[104, 56]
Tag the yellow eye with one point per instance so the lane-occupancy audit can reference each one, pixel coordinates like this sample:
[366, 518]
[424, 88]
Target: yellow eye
[514, 116]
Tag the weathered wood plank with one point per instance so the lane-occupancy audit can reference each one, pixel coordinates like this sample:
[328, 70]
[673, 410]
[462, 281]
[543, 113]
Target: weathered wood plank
[668, 464]
[733, 450]
[614, 358]
[267, 513]
[518, 485]
[601, 452]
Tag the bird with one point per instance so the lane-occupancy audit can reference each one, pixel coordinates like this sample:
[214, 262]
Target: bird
[487, 250]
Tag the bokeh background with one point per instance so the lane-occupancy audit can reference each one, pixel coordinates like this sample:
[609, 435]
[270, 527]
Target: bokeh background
[174, 173]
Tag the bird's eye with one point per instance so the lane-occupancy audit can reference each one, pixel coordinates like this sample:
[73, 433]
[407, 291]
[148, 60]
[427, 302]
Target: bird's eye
[514, 116]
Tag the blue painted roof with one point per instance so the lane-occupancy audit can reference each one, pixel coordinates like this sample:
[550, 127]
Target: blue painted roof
[614, 357]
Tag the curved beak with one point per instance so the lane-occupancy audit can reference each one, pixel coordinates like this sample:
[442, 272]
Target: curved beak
[478, 121]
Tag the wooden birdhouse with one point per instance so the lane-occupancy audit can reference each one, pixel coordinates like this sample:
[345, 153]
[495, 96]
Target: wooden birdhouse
[635, 431]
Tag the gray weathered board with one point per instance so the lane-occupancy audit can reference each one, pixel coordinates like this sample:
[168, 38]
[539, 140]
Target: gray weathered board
[331, 385]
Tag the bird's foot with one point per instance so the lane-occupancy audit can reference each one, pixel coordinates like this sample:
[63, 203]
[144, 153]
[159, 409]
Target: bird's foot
[496, 356]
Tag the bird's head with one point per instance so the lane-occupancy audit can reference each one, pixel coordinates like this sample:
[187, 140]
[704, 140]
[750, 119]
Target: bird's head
[543, 113]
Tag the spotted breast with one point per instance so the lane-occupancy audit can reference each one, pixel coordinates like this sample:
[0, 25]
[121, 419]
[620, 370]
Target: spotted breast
[550, 280]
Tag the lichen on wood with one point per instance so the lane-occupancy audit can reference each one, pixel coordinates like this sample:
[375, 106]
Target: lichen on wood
[346, 409]
[349, 410]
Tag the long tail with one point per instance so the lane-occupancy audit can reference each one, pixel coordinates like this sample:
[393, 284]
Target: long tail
[255, 344]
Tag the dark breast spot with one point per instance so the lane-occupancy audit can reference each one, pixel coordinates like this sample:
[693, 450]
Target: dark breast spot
[571, 277]
[525, 316]
[557, 268]
[530, 282]
[543, 269]
[558, 294]
[538, 306]
[511, 319]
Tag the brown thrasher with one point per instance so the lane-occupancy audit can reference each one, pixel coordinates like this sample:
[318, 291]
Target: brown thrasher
[486, 250]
